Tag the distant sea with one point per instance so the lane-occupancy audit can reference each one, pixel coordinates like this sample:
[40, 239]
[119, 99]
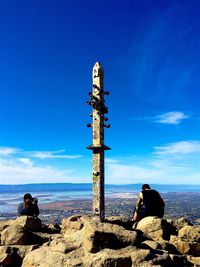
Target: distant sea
[11, 195]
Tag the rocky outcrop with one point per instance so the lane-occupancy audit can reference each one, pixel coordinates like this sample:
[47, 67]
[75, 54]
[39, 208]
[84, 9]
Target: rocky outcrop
[188, 240]
[98, 236]
[84, 241]
[156, 228]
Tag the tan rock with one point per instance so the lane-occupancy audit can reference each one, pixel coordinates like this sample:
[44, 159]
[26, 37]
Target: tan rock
[189, 233]
[17, 235]
[180, 223]
[63, 245]
[28, 222]
[71, 225]
[4, 224]
[22, 251]
[47, 256]
[98, 236]
[108, 258]
[140, 255]
[185, 247]
[155, 228]
[14, 235]
[194, 260]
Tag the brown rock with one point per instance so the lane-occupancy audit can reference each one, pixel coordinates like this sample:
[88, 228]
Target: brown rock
[180, 223]
[155, 228]
[9, 257]
[4, 224]
[121, 221]
[98, 236]
[64, 246]
[52, 229]
[150, 244]
[29, 223]
[194, 260]
[17, 235]
[71, 225]
[162, 260]
[51, 257]
[167, 246]
[180, 261]
[108, 258]
[185, 247]
[140, 255]
[14, 235]
[189, 233]
[22, 251]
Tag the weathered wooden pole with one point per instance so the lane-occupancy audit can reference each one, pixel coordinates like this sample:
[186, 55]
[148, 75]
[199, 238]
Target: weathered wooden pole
[98, 147]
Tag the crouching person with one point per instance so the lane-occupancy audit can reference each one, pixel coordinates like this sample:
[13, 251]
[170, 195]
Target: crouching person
[149, 203]
[29, 207]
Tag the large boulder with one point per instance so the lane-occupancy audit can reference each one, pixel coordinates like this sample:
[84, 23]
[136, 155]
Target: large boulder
[155, 228]
[18, 235]
[98, 236]
[14, 235]
[53, 256]
[188, 240]
[29, 223]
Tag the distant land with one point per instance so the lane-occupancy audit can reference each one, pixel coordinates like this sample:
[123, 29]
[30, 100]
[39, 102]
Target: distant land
[60, 200]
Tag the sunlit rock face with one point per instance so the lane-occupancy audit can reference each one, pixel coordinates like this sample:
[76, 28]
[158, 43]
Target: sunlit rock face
[83, 240]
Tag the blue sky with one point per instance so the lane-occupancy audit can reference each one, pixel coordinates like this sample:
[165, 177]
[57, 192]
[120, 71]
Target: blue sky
[150, 54]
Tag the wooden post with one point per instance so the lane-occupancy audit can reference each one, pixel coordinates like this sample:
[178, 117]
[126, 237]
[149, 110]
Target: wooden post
[98, 147]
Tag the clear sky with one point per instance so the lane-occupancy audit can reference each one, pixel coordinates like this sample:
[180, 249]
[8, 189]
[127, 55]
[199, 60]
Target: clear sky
[150, 51]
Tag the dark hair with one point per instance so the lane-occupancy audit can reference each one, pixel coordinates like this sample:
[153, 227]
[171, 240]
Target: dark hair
[27, 196]
[146, 186]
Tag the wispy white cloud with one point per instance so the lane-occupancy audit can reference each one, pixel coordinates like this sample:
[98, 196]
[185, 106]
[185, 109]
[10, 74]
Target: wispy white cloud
[173, 117]
[173, 163]
[19, 171]
[19, 166]
[4, 151]
[53, 154]
[181, 147]
[10, 151]
[26, 161]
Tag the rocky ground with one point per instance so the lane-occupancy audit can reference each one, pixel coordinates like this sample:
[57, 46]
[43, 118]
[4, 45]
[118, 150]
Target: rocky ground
[82, 240]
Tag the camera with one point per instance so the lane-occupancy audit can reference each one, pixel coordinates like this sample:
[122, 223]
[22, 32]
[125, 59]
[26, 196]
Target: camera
[35, 200]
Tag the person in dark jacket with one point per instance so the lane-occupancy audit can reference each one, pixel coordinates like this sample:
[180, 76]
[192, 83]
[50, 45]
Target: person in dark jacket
[149, 203]
[29, 207]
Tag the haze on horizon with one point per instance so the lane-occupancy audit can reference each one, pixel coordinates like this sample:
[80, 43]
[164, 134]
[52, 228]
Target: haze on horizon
[150, 54]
